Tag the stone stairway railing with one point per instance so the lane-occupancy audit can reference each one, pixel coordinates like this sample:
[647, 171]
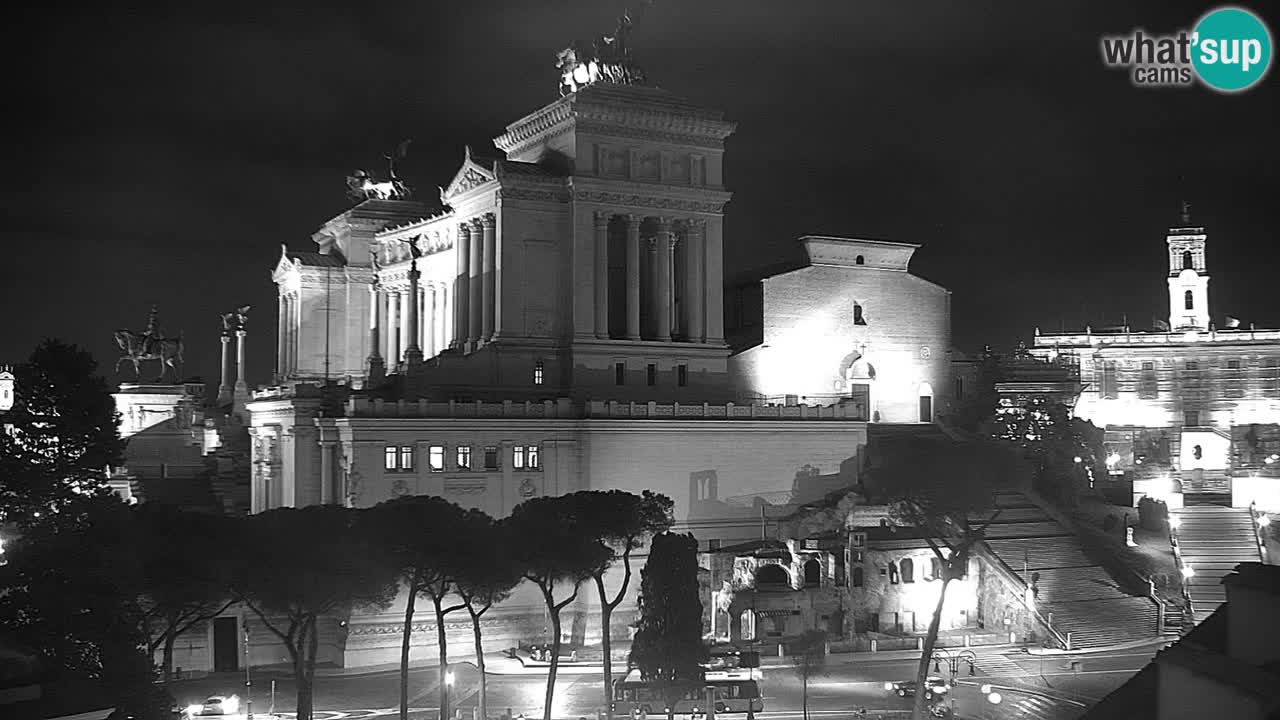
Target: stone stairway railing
[1011, 577]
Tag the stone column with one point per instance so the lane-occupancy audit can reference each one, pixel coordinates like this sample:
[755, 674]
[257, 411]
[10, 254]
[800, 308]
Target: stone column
[663, 272]
[281, 338]
[633, 277]
[403, 308]
[377, 370]
[475, 284]
[393, 325]
[650, 332]
[240, 398]
[327, 494]
[677, 322]
[489, 224]
[602, 274]
[412, 350]
[295, 330]
[713, 256]
[461, 289]
[446, 317]
[224, 388]
[693, 291]
[429, 325]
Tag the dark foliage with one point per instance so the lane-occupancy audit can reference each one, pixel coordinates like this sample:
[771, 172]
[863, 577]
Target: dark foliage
[668, 647]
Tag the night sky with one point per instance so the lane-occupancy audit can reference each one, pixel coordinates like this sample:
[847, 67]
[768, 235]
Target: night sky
[161, 156]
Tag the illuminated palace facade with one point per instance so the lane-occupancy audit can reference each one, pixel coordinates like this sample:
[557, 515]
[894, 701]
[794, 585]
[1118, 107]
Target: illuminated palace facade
[559, 326]
[1190, 410]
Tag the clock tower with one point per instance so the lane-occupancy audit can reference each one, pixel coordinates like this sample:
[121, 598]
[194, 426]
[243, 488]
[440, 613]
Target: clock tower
[1188, 277]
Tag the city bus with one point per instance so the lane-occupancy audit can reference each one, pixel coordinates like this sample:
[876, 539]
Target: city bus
[637, 698]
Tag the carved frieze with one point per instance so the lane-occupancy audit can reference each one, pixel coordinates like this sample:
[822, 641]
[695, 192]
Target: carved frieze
[648, 166]
[535, 195]
[464, 487]
[470, 179]
[649, 201]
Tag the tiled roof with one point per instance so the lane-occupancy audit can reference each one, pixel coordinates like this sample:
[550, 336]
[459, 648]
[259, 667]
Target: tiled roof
[311, 259]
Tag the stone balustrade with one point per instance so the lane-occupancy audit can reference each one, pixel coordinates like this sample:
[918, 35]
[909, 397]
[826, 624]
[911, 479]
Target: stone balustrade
[1157, 338]
[563, 408]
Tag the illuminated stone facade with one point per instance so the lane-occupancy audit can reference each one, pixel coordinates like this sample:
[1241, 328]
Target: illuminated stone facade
[559, 326]
[853, 326]
[1188, 408]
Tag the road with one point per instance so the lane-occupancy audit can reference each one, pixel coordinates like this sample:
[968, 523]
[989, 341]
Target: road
[847, 683]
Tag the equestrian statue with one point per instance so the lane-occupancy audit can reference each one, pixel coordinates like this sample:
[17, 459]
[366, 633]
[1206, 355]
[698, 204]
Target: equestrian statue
[138, 348]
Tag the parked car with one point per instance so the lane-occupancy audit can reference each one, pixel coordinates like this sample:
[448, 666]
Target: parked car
[220, 705]
[934, 687]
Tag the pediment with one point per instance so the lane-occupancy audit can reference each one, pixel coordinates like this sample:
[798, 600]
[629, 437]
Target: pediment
[471, 175]
[284, 266]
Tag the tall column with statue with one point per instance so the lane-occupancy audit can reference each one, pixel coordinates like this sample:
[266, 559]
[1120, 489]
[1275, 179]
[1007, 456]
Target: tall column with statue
[240, 398]
[224, 387]
[412, 351]
[376, 369]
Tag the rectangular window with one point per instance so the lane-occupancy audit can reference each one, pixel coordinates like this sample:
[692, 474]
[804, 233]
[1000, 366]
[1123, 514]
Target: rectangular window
[1233, 364]
[1271, 378]
[1148, 387]
[619, 374]
[651, 373]
[406, 458]
[537, 372]
[682, 375]
[435, 458]
[1191, 418]
[1109, 388]
[517, 457]
[490, 458]
[389, 458]
[1193, 365]
[532, 458]
[464, 457]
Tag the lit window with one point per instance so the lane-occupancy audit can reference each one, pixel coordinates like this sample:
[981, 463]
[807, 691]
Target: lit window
[537, 372]
[526, 457]
[490, 458]
[517, 457]
[651, 373]
[464, 457]
[406, 457]
[435, 457]
[682, 375]
[389, 458]
[619, 374]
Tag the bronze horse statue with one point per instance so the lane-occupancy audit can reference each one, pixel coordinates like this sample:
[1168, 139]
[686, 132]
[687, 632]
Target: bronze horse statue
[138, 347]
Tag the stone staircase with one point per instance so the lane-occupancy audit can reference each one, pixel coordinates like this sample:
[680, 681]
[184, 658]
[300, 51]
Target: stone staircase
[1212, 540]
[1076, 594]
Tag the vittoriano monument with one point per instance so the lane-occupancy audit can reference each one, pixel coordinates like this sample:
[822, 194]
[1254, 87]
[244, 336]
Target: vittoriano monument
[148, 345]
[608, 60]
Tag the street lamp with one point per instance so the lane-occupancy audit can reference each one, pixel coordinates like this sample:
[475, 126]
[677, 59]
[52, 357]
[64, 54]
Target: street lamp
[248, 683]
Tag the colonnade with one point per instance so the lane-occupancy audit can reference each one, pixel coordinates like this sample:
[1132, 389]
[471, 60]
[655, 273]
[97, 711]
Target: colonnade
[290, 321]
[683, 259]
[396, 309]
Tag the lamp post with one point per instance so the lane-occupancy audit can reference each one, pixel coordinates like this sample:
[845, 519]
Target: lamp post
[448, 686]
[248, 683]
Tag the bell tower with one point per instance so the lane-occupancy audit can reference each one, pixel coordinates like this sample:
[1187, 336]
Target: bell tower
[1188, 276]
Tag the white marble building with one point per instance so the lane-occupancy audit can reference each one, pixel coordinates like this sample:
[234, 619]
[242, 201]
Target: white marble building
[562, 328]
[1192, 406]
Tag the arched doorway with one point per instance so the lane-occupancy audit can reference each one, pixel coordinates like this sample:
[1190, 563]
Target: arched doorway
[858, 375]
[812, 573]
[926, 402]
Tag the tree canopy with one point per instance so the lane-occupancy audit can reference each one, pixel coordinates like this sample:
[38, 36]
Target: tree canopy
[63, 433]
[668, 647]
